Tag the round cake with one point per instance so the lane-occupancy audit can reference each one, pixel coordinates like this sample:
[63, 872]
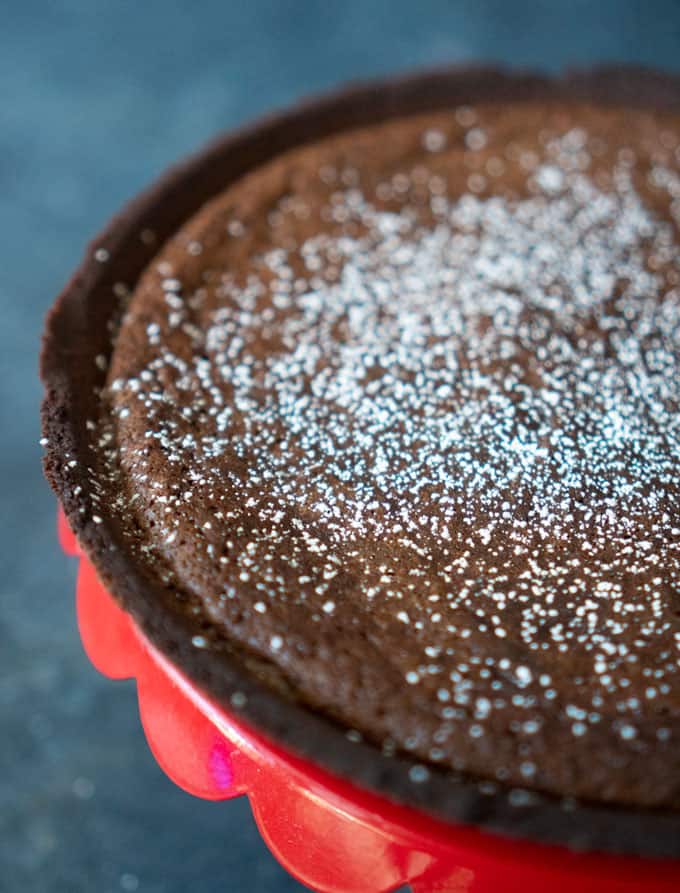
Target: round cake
[370, 416]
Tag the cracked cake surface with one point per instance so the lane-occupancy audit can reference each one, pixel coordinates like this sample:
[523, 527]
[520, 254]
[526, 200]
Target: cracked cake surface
[392, 420]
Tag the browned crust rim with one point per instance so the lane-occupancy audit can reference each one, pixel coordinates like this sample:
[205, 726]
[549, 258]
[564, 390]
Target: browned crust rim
[76, 331]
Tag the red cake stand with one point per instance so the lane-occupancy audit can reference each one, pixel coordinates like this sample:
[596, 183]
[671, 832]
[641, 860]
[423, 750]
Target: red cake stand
[332, 836]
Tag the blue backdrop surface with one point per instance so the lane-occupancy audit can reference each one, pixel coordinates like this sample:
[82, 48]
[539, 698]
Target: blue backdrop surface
[95, 99]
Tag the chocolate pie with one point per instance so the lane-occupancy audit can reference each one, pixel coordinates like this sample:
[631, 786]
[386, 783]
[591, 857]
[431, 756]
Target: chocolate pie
[370, 416]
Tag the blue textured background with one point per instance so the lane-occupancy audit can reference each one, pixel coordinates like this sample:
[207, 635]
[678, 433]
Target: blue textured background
[95, 99]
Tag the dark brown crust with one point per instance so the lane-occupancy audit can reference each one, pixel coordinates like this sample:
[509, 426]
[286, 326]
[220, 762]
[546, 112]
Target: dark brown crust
[77, 331]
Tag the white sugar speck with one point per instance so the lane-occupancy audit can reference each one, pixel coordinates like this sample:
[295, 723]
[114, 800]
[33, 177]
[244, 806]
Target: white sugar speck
[418, 774]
